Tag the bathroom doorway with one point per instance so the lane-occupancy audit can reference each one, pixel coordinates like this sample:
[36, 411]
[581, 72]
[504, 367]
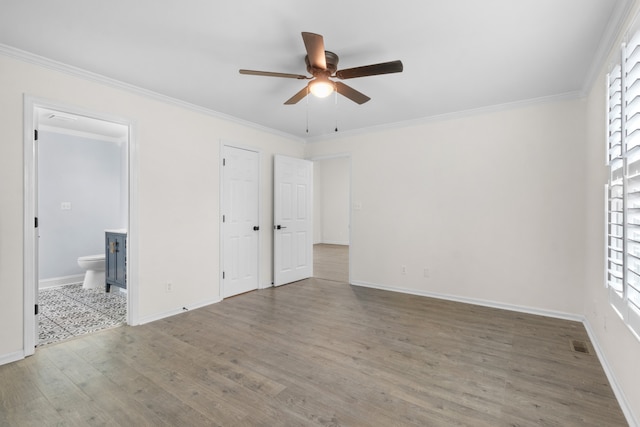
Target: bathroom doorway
[79, 187]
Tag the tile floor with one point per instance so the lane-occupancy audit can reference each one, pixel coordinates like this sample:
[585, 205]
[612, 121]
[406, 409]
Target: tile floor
[68, 311]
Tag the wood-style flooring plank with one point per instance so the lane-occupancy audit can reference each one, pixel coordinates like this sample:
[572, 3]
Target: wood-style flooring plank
[331, 262]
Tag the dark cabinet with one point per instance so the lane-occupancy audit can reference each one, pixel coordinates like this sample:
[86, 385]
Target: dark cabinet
[116, 260]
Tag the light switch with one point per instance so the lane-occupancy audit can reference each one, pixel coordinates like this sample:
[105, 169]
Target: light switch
[65, 206]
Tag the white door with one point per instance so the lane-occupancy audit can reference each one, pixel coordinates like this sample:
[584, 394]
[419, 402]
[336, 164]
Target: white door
[293, 226]
[240, 220]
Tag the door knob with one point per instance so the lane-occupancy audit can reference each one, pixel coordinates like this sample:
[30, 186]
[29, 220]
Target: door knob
[279, 227]
[256, 228]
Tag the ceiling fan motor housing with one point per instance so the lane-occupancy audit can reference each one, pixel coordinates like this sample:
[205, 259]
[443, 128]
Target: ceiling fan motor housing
[332, 64]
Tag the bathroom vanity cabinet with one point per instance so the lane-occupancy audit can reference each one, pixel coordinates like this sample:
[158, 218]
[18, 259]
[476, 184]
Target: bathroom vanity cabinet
[116, 260]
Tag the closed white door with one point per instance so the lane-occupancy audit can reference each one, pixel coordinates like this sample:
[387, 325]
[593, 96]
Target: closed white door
[240, 220]
[293, 226]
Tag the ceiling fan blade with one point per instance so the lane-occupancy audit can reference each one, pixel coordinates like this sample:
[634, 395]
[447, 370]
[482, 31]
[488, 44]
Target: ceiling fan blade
[298, 96]
[314, 43]
[271, 74]
[370, 70]
[351, 93]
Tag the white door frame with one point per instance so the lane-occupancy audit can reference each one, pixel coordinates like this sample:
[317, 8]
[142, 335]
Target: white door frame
[30, 268]
[224, 143]
[342, 156]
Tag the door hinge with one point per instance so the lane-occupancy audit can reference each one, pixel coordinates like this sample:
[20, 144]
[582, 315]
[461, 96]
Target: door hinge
[37, 309]
[224, 162]
[223, 274]
[35, 134]
[224, 218]
[36, 222]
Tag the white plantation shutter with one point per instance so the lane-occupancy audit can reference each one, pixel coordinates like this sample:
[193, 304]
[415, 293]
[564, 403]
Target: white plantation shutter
[615, 187]
[614, 146]
[623, 187]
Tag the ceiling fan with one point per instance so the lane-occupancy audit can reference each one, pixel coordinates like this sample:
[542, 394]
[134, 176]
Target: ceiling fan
[323, 65]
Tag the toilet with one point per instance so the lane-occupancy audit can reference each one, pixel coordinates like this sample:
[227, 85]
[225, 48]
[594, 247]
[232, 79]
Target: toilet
[94, 266]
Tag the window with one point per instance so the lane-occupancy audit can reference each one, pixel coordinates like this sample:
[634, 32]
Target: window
[623, 187]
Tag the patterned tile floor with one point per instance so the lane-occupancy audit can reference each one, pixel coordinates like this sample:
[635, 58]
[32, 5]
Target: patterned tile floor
[68, 311]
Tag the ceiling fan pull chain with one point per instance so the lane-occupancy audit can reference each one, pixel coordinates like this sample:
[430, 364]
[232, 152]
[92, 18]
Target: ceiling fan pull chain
[336, 92]
[307, 109]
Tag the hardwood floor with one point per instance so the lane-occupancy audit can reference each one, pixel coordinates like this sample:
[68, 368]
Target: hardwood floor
[317, 352]
[331, 262]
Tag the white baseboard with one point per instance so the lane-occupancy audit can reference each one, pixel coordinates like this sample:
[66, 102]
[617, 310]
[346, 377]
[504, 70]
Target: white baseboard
[11, 357]
[60, 281]
[333, 242]
[159, 316]
[620, 396]
[485, 303]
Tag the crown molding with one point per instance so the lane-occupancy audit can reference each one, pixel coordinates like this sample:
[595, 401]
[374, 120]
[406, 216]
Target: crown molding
[613, 31]
[42, 61]
[88, 75]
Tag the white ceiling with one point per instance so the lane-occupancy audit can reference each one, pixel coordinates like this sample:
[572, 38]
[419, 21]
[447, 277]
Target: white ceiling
[458, 54]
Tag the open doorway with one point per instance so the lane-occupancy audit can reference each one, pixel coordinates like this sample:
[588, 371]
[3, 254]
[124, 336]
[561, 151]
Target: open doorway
[77, 187]
[82, 192]
[332, 218]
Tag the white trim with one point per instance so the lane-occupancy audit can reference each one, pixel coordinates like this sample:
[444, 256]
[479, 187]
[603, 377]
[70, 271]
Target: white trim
[133, 230]
[220, 226]
[11, 357]
[474, 301]
[81, 134]
[263, 285]
[30, 103]
[60, 281]
[614, 27]
[31, 58]
[617, 390]
[225, 143]
[332, 242]
[164, 315]
[29, 231]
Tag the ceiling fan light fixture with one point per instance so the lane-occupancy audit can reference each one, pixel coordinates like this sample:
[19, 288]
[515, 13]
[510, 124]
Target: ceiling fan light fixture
[321, 88]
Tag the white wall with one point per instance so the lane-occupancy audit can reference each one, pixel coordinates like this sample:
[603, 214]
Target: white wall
[89, 174]
[178, 190]
[331, 201]
[491, 204]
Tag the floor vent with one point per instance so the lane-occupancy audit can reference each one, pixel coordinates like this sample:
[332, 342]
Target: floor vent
[579, 346]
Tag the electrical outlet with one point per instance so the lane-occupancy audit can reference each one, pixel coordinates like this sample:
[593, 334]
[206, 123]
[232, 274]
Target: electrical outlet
[404, 269]
[169, 287]
[65, 206]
